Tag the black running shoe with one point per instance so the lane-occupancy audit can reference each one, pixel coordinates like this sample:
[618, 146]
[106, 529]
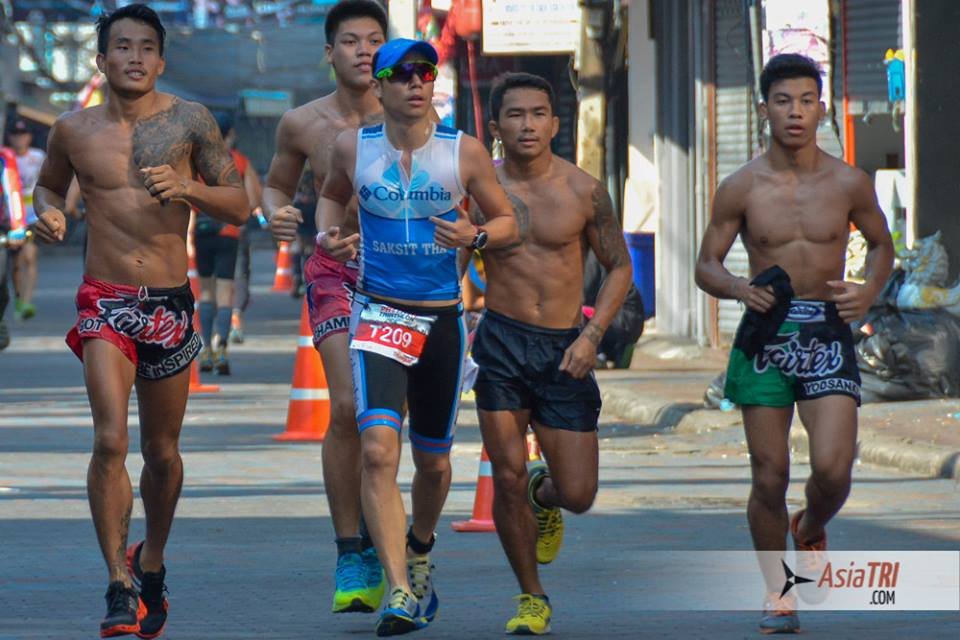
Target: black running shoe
[152, 593]
[124, 610]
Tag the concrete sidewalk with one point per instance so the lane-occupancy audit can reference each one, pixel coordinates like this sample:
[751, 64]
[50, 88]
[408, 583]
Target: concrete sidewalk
[665, 385]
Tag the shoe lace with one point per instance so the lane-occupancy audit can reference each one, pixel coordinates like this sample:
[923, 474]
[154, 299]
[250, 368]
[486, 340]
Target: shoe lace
[420, 577]
[532, 607]
[119, 600]
[152, 588]
[548, 522]
[350, 573]
[398, 599]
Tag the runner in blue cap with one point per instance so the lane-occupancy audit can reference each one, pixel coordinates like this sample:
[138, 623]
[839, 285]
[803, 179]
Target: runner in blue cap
[407, 334]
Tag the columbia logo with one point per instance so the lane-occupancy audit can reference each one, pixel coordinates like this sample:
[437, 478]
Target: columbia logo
[365, 192]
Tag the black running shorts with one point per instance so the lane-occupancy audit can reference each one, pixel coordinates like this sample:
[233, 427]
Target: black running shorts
[520, 369]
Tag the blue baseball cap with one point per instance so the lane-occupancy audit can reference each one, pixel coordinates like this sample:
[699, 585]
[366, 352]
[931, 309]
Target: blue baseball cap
[394, 51]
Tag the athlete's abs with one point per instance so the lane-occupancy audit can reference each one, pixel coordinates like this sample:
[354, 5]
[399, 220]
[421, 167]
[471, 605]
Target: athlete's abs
[803, 227]
[536, 285]
[138, 247]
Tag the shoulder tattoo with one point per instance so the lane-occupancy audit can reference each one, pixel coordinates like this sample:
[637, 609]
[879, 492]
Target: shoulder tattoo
[163, 138]
[184, 130]
[611, 248]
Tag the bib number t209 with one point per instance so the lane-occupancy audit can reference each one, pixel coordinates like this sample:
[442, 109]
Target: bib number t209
[392, 333]
[393, 336]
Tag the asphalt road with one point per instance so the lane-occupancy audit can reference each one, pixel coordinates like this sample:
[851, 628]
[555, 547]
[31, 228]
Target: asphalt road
[252, 556]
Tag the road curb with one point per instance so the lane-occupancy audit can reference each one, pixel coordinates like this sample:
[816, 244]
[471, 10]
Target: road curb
[880, 449]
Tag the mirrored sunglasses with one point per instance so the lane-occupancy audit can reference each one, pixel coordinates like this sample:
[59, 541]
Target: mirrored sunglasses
[403, 72]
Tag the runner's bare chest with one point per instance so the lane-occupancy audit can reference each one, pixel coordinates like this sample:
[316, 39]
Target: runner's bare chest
[110, 154]
[780, 211]
[320, 136]
[553, 215]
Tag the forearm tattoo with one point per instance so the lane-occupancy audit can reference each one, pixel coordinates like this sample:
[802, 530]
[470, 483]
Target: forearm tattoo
[593, 333]
[611, 248]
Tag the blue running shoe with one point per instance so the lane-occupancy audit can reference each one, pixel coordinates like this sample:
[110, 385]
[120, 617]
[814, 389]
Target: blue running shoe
[779, 615]
[351, 594]
[401, 615]
[421, 583]
[375, 580]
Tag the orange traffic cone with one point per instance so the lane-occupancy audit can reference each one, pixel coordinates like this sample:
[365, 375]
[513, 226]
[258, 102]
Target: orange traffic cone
[533, 447]
[195, 385]
[482, 520]
[283, 279]
[309, 412]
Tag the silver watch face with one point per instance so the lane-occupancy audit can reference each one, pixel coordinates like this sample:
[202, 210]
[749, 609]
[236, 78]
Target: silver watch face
[480, 241]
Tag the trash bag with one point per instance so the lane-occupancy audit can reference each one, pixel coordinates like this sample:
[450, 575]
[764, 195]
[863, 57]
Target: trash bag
[627, 325]
[713, 396]
[907, 354]
[910, 355]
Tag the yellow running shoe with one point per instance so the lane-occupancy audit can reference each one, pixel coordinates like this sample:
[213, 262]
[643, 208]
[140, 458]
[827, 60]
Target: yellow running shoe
[549, 520]
[533, 616]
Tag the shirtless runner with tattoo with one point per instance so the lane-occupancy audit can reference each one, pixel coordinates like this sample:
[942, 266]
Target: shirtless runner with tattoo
[535, 354]
[139, 158]
[793, 206]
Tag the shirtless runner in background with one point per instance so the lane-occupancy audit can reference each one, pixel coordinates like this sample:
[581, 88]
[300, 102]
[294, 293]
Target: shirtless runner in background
[793, 207]
[355, 29]
[138, 159]
[536, 357]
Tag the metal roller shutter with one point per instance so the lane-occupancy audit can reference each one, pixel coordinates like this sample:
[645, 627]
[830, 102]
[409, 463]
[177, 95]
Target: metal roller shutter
[735, 128]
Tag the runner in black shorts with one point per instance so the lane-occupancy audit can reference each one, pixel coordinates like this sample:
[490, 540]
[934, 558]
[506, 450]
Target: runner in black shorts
[217, 246]
[407, 334]
[535, 355]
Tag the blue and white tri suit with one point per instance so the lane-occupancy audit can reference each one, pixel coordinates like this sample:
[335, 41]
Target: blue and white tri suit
[400, 260]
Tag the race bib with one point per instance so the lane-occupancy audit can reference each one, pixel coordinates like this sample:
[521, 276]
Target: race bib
[390, 332]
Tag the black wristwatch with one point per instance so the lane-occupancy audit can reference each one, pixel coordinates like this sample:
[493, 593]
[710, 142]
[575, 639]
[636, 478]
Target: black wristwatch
[479, 240]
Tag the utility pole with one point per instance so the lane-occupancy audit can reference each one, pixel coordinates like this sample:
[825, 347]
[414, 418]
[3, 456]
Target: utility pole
[592, 109]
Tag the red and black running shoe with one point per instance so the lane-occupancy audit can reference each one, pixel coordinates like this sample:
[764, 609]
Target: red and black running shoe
[124, 611]
[152, 593]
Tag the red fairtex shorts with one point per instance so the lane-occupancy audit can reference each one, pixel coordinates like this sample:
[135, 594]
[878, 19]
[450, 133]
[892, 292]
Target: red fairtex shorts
[152, 327]
[330, 286]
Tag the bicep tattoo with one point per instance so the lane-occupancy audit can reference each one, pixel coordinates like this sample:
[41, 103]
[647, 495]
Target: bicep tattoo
[522, 214]
[210, 155]
[610, 247]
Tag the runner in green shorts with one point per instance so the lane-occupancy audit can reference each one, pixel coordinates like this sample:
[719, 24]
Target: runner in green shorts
[793, 207]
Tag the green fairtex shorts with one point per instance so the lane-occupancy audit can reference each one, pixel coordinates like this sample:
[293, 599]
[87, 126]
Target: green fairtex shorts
[812, 356]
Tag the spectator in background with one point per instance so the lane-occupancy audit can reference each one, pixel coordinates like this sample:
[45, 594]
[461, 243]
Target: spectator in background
[12, 230]
[241, 275]
[302, 248]
[217, 244]
[29, 160]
